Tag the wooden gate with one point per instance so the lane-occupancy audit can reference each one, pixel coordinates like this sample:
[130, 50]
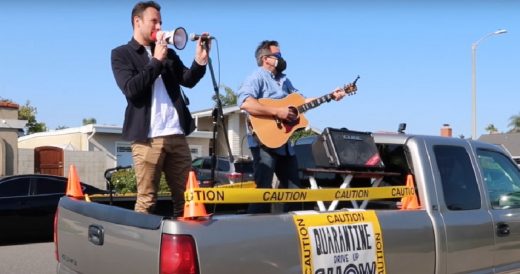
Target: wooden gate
[48, 160]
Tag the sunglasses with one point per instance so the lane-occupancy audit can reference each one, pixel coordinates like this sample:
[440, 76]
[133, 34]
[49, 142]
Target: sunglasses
[278, 55]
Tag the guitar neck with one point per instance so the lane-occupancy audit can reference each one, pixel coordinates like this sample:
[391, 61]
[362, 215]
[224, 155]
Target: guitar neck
[315, 103]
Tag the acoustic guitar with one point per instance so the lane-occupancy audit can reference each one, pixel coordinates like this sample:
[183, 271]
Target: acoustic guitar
[273, 132]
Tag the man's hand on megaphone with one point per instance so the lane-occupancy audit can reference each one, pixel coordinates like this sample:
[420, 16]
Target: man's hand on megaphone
[161, 48]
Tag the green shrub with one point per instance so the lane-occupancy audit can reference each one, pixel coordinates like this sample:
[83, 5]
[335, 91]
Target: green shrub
[124, 181]
[300, 134]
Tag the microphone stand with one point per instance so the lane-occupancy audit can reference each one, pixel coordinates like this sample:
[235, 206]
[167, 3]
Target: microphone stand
[218, 117]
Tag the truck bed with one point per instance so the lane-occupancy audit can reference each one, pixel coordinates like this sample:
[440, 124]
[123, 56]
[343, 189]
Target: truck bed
[244, 243]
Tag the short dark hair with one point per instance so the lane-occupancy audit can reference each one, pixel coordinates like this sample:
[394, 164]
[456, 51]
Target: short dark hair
[264, 49]
[140, 7]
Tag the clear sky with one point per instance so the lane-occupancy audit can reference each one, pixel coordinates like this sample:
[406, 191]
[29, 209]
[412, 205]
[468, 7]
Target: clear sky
[413, 57]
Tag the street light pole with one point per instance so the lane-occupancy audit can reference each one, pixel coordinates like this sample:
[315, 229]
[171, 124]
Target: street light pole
[474, 78]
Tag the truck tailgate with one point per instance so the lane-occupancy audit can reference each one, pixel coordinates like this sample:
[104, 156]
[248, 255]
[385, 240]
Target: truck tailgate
[251, 244]
[130, 240]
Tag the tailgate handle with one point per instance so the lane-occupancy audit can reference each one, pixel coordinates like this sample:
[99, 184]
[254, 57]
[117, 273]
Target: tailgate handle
[96, 234]
[503, 229]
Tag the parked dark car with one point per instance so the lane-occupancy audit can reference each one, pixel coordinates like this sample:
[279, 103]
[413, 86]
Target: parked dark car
[28, 203]
[241, 170]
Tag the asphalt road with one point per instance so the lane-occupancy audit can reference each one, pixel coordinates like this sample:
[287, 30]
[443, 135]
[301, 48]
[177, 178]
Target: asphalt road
[27, 258]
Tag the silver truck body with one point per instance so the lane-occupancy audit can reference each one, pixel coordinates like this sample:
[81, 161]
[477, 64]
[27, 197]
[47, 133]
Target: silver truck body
[440, 238]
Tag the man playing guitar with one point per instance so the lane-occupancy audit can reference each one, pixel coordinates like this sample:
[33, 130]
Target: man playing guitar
[269, 81]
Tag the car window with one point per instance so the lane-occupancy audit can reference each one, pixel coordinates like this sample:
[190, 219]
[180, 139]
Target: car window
[49, 186]
[459, 183]
[244, 167]
[501, 178]
[197, 163]
[14, 187]
[223, 165]
[207, 163]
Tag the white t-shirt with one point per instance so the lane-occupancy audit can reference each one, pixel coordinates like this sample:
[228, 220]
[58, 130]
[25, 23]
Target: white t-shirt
[164, 118]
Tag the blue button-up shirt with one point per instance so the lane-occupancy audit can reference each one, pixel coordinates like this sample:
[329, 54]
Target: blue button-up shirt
[264, 84]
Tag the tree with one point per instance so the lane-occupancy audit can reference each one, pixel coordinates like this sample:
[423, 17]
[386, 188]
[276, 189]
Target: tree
[514, 123]
[491, 129]
[28, 112]
[229, 99]
[89, 121]
[301, 133]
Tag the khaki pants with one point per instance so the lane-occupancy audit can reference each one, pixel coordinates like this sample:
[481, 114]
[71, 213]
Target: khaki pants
[168, 154]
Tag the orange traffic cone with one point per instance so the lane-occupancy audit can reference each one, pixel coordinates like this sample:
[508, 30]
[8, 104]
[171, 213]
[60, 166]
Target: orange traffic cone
[73, 184]
[193, 210]
[410, 202]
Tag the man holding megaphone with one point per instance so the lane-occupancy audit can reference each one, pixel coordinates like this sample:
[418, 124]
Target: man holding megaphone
[157, 119]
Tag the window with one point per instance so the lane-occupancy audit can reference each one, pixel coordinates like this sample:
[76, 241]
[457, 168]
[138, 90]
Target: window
[197, 163]
[501, 178]
[395, 159]
[196, 151]
[207, 163]
[244, 167]
[223, 165]
[458, 180]
[49, 186]
[15, 187]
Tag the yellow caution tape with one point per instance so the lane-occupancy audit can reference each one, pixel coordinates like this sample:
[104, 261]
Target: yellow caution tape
[237, 195]
[248, 184]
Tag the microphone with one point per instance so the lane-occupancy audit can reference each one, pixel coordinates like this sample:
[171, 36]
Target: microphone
[203, 37]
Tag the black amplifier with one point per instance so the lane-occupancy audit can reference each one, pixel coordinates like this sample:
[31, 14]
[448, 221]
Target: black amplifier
[343, 148]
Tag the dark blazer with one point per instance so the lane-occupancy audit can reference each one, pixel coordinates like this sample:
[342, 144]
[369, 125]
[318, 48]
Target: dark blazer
[135, 74]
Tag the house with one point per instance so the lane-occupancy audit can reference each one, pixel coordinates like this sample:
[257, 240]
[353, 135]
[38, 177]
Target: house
[510, 141]
[95, 148]
[10, 129]
[234, 123]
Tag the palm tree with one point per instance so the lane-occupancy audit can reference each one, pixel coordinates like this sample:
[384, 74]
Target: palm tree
[514, 123]
[229, 99]
[491, 129]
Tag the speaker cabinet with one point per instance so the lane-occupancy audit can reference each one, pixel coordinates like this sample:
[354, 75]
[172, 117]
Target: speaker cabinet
[346, 149]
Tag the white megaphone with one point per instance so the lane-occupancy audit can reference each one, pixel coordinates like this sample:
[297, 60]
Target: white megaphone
[177, 38]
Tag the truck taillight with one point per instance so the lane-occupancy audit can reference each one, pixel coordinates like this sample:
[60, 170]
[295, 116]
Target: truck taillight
[234, 176]
[55, 235]
[178, 255]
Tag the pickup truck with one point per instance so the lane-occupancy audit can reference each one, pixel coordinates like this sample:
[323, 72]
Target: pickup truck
[468, 222]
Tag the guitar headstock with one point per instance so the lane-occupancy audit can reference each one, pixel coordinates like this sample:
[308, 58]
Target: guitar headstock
[350, 89]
